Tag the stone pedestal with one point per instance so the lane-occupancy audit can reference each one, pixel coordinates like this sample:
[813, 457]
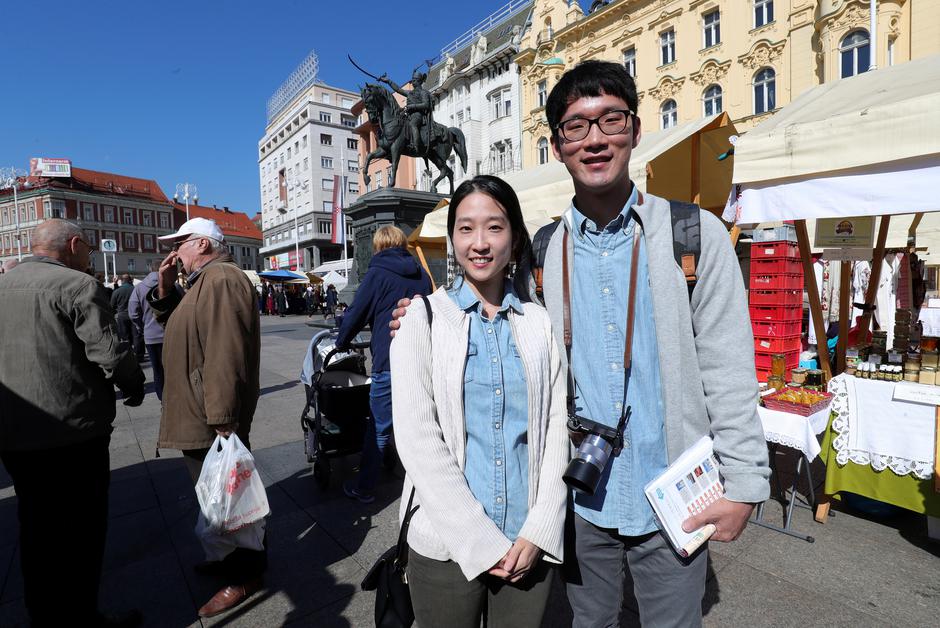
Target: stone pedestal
[405, 209]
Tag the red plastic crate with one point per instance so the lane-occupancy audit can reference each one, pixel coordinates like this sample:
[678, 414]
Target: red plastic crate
[777, 297]
[776, 282]
[777, 344]
[774, 249]
[776, 328]
[764, 360]
[776, 265]
[776, 314]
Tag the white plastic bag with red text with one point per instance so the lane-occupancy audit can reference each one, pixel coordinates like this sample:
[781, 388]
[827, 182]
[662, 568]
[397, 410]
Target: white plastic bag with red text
[218, 545]
[230, 491]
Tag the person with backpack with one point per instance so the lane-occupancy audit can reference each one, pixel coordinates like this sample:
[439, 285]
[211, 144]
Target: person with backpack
[682, 369]
[479, 406]
[393, 273]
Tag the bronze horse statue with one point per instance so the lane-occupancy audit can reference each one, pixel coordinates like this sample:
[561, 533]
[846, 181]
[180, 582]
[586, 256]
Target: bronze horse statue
[393, 137]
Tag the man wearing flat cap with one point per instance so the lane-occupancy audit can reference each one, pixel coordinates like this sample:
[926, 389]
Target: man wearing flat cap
[211, 355]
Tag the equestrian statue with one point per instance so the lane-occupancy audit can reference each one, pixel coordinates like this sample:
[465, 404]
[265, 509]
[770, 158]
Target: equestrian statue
[410, 130]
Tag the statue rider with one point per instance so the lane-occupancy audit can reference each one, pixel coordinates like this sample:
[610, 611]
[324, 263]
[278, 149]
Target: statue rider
[418, 107]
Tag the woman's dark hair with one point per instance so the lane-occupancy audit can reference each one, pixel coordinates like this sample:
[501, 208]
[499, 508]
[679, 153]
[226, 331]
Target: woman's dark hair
[502, 193]
[589, 79]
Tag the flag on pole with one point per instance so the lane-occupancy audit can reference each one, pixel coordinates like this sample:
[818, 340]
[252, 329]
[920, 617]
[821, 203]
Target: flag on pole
[339, 218]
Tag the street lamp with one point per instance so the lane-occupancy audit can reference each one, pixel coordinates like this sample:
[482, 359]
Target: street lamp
[9, 177]
[294, 183]
[187, 191]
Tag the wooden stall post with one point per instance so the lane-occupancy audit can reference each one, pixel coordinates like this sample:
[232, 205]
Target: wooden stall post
[424, 264]
[845, 314]
[876, 262]
[809, 282]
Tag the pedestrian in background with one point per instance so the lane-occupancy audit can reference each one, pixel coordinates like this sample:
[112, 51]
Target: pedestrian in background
[393, 274]
[332, 298]
[281, 301]
[212, 352]
[269, 300]
[479, 405]
[147, 327]
[62, 361]
[120, 299]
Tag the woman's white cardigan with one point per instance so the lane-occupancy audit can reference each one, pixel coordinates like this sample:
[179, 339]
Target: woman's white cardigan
[430, 435]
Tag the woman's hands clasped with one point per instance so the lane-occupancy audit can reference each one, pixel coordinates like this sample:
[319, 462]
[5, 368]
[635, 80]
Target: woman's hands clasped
[518, 561]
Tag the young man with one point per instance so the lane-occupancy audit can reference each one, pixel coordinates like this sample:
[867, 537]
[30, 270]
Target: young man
[692, 366]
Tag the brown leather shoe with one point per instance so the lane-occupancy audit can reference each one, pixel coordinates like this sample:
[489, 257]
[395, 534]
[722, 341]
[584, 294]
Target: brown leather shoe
[229, 597]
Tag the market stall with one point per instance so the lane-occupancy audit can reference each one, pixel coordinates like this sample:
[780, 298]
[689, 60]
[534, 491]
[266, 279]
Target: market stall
[863, 146]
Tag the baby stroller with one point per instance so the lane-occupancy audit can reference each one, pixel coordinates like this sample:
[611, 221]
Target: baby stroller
[337, 409]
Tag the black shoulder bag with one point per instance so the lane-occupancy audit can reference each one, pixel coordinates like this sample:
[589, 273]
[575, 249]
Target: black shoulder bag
[387, 577]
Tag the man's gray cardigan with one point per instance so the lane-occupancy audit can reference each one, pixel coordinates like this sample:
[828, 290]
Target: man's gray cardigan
[706, 346]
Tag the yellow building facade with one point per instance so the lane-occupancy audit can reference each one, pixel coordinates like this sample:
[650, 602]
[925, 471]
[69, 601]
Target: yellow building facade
[692, 58]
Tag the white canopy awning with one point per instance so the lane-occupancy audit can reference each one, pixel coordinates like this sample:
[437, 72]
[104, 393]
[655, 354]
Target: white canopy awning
[865, 145]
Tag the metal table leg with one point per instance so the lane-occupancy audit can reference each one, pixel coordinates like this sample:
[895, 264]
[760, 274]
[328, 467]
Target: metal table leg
[791, 503]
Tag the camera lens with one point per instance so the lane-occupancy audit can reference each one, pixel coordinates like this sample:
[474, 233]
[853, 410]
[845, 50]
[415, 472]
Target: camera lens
[585, 469]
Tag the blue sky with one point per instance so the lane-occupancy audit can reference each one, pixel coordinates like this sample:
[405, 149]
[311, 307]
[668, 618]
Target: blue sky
[176, 91]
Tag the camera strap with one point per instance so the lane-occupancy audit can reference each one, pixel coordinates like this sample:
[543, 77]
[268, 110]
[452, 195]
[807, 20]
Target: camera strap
[631, 316]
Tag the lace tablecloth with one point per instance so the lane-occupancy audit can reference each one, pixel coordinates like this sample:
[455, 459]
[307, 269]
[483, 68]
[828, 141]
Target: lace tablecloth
[794, 430]
[874, 428]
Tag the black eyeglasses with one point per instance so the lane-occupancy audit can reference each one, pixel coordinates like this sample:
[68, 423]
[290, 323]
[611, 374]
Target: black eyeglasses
[611, 123]
[176, 245]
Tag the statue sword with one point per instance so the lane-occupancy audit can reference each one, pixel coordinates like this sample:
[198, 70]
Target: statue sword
[359, 67]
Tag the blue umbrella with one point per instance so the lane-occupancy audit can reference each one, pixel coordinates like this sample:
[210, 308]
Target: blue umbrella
[281, 275]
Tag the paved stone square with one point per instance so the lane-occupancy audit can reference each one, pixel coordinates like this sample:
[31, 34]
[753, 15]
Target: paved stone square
[859, 572]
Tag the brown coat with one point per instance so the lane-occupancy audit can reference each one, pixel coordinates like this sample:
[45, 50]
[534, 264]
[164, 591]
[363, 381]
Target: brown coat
[211, 356]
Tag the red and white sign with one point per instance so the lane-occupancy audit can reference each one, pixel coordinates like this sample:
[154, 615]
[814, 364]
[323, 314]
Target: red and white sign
[47, 167]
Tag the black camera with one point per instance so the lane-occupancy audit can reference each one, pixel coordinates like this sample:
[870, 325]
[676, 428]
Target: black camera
[596, 442]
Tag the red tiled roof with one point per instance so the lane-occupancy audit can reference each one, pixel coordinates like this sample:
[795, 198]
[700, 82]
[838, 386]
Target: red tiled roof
[106, 182]
[232, 223]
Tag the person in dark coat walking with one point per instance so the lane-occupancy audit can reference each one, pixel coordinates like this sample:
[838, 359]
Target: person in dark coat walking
[280, 299]
[120, 299]
[332, 298]
[393, 274]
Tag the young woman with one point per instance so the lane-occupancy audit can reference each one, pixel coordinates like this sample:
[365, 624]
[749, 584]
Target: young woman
[479, 418]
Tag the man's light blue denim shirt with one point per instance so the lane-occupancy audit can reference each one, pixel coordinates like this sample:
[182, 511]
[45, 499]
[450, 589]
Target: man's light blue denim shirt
[602, 258]
[496, 411]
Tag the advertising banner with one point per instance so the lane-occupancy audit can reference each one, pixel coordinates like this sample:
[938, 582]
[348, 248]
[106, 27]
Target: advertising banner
[339, 218]
[48, 167]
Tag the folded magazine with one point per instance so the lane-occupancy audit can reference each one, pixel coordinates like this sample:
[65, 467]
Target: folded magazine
[686, 488]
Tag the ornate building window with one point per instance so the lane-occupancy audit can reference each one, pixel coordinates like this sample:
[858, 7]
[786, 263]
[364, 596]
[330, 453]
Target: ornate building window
[543, 151]
[711, 33]
[711, 100]
[541, 90]
[855, 52]
[668, 114]
[763, 12]
[667, 47]
[765, 97]
[629, 61]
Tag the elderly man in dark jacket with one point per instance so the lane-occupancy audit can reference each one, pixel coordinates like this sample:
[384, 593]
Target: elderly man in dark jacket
[212, 355]
[393, 274]
[61, 362]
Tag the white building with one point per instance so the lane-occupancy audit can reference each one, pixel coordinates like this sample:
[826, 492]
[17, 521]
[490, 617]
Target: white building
[476, 88]
[309, 139]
